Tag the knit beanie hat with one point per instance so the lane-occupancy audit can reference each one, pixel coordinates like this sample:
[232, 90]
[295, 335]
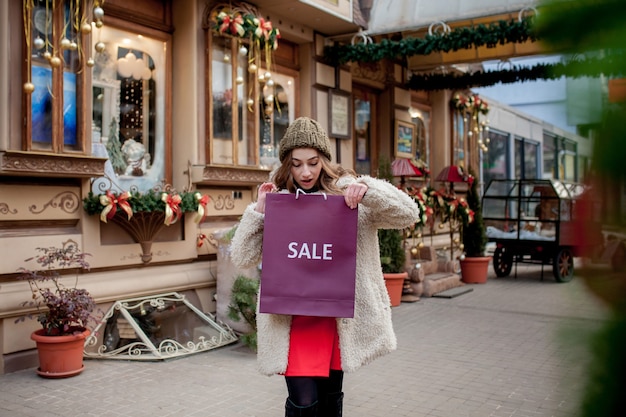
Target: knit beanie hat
[304, 133]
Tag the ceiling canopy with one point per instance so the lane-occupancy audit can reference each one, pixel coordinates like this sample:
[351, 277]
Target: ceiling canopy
[390, 16]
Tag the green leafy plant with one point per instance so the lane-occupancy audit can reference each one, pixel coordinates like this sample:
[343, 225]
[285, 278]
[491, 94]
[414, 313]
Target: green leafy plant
[243, 305]
[392, 255]
[62, 310]
[473, 232]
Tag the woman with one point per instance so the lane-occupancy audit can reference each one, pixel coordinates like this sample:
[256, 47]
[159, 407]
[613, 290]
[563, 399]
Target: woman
[313, 352]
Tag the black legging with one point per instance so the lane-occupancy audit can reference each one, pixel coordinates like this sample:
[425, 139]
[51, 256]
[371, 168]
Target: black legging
[306, 390]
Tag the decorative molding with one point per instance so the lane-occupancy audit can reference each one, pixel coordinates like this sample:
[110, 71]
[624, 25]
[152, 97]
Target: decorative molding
[370, 71]
[223, 202]
[22, 163]
[5, 209]
[233, 176]
[67, 201]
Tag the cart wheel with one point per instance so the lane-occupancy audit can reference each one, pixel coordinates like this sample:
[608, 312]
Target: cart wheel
[502, 262]
[563, 266]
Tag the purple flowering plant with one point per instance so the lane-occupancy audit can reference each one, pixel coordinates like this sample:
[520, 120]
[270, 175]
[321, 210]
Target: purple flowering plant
[62, 310]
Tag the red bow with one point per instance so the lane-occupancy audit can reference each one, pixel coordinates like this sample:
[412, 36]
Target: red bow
[264, 29]
[203, 200]
[232, 25]
[111, 204]
[173, 212]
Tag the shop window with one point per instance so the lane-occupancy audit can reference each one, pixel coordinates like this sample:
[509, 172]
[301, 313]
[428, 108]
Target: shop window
[129, 107]
[460, 127]
[277, 101]
[470, 127]
[251, 99]
[365, 103]
[567, 161]
[526, 162]
[421, 119]
[549, 156]
[495, 164]
[55, 81]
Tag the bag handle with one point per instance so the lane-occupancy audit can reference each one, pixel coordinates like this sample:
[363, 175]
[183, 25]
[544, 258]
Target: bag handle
[301, 191]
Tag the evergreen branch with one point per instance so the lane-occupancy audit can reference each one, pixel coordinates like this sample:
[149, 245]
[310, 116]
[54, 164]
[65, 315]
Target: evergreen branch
[498, 33]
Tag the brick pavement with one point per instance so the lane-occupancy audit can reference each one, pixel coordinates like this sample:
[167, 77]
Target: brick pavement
[513, 347]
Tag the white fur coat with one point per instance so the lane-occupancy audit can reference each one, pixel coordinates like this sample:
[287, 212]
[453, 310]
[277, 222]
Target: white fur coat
[369, 334]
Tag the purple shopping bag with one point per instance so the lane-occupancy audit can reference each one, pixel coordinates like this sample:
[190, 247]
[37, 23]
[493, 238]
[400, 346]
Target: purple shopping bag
[309, 256]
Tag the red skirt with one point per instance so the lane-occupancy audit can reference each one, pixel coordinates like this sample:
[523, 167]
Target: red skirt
[313, 346]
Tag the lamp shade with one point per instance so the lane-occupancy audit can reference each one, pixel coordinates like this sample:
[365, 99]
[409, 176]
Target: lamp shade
[452, 173]
[401, 167]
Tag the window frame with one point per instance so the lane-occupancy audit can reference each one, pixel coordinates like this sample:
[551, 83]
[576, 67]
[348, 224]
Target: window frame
[279, 65]
[83, 93]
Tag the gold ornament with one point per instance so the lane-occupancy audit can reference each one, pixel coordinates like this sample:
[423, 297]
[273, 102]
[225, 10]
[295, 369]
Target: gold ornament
[420, 245]
[461, 246]
[100, 46]
[239, 80]
[29, 88]
[55, 61]
[47, 55]
[441, 225]
[99, 24]
[65, 43]
[252, 68]
[226, 58]
[85, 28]
[73, 46]
[250, 102]
[414, 251]
[98, 12]
[91, 62]
[39, 43]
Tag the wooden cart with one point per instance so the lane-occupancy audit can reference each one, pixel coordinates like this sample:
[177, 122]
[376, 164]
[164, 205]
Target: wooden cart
[533, 221]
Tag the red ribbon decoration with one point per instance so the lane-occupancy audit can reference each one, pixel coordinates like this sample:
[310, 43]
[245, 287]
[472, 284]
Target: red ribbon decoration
[203, 200]
[173, 212]
[232, 25]
[111, 203]
[264, 29]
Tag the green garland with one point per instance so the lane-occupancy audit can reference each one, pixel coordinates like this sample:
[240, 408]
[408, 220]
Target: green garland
[589, 67]
[142, 202]
[501, 32]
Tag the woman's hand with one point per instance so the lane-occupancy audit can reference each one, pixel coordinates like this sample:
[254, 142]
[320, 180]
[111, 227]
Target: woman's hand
[354, 193]
[266, 187]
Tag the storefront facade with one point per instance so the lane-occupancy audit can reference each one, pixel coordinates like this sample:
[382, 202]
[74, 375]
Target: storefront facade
[175, 95]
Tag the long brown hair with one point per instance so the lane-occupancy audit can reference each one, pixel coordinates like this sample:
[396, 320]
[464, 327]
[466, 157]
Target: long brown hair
[327, 181]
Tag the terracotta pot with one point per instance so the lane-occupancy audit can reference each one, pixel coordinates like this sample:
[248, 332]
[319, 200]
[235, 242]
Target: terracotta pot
[394, 283]
[59, 356]
[475, 270]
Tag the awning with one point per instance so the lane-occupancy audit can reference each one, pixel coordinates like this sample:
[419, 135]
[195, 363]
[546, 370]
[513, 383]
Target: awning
[389, 16]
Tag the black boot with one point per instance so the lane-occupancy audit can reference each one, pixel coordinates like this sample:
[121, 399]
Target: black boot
[292, 410]
[331, 405]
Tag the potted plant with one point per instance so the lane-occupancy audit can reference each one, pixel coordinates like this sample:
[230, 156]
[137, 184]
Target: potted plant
[392, 255]
[474, 263]
[64, 312]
